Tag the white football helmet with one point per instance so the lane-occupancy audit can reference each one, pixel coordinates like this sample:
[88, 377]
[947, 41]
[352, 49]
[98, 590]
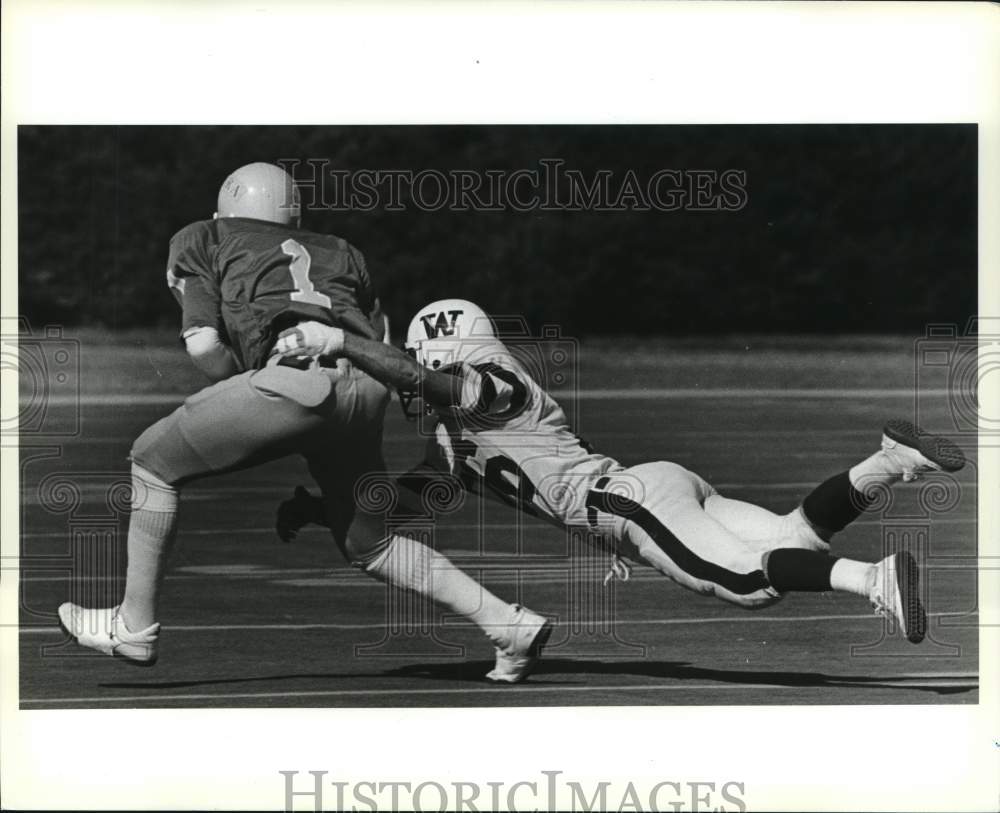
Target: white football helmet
[444, 333]
[448, 331]
[262, 192]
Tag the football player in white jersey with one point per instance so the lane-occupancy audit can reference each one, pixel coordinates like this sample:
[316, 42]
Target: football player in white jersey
[500, 432]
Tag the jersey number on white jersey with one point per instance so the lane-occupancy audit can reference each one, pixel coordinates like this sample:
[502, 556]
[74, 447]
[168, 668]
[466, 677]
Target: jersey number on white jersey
[500, 475]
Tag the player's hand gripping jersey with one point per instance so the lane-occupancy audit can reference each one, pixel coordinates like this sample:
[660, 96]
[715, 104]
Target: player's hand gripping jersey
[509, 437]
[249, 279]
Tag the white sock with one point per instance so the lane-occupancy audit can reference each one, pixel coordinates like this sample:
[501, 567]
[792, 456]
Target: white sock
[411, 564]
[849, 576]
[152, 528]
[875, 469]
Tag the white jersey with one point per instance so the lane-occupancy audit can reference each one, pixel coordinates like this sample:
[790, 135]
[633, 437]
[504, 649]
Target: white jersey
[510, 437]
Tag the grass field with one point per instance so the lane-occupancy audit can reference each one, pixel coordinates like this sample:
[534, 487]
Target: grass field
[151, 362]
[250, 622]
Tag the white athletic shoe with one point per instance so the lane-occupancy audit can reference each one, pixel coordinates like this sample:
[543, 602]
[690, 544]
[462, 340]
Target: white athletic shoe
[895, 593]
[914, 452]
[105, 631]
[529, 632]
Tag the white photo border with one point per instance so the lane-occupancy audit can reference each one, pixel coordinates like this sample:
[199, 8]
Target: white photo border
[549, 62]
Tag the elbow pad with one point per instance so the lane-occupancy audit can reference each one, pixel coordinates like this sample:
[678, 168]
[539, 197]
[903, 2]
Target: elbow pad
[209, 352]
[202, 342]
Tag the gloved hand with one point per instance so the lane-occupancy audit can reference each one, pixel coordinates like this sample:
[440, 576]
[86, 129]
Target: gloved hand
[311, 339]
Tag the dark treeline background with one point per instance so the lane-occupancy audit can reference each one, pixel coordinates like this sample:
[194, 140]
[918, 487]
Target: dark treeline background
[846, 228]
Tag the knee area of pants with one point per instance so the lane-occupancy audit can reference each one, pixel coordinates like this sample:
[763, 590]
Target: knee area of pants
[140, 451]
[150, 492]
[144, 456]
[364, 554]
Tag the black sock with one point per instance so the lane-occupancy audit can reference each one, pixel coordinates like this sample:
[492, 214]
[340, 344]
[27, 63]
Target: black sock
[834, 504]
[799, 570]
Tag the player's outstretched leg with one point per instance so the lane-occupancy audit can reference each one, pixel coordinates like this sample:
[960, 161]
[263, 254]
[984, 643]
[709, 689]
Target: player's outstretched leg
[232, 424]
[907, 453]
[130, 630]
[669, 529]
[517, 633]
[761, 529]
[892, 585]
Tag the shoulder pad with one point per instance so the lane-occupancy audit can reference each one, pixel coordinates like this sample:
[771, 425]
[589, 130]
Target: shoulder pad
[201, 231]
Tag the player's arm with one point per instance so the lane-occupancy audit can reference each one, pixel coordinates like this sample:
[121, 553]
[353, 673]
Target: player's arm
[209, 353]
[381, 361]
[190, 279]
[394, 368]
[201, 331]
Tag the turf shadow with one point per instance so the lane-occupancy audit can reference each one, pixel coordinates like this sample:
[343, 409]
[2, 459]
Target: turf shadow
[679, 670]
[474, 672]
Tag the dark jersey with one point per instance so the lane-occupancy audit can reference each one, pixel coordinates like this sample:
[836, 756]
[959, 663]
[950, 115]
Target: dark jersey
[250, 279]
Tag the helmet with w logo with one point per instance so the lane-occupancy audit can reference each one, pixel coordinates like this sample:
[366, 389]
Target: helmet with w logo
[445, 333]
[448, 331]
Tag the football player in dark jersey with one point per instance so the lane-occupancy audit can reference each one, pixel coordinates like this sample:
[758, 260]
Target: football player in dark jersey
[241, 279]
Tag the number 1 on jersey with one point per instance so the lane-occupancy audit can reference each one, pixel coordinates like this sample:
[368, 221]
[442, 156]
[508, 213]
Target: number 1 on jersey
[304, 291]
